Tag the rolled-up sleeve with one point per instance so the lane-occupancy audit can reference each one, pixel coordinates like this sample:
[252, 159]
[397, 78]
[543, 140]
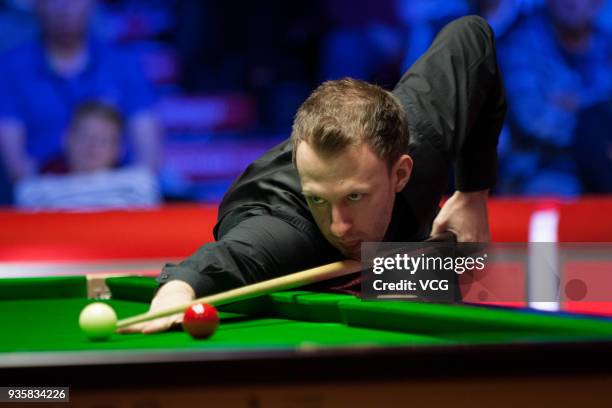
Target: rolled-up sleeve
[455, 100]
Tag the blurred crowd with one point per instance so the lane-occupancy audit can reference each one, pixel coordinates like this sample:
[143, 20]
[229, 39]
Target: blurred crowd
[104, 104]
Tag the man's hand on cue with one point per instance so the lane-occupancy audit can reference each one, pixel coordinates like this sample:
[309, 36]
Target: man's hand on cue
[171, 294]
[466, 215]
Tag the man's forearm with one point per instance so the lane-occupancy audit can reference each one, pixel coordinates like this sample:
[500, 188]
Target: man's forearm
[472, 196]
[257, 249]
[12, 150]
[456, 106]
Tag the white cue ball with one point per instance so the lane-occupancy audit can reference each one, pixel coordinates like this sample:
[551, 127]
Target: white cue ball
[98, 321]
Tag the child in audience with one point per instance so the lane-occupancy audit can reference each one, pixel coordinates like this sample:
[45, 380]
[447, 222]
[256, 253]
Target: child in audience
[88, 174]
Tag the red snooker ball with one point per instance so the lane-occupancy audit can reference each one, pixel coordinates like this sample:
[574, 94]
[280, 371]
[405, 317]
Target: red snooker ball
[200, 320]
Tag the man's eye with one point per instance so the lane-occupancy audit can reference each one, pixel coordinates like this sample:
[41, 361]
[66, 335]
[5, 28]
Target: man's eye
[316, 200]
[354, 196]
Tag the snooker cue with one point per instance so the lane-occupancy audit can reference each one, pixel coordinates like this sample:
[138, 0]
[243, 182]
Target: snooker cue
[306, 277]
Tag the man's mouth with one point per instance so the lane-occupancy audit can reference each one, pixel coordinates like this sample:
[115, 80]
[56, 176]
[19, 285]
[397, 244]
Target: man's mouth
[350, 245]
[352, 249]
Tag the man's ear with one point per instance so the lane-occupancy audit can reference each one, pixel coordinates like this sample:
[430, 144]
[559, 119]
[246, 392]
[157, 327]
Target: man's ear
[402, 170]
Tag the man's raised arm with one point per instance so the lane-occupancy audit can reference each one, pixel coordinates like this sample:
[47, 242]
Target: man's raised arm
[456, 105]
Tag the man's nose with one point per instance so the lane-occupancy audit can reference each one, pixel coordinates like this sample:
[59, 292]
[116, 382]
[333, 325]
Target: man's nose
[341, 221]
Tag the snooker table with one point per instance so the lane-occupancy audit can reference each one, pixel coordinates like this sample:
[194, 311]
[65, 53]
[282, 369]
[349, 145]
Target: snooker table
[300, 348]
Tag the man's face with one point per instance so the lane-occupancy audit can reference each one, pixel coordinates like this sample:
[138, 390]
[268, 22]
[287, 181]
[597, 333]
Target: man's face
[351, 194]
[65, 17]
[574, 14]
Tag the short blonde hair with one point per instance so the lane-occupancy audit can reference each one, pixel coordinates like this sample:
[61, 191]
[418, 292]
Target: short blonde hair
[349, 112]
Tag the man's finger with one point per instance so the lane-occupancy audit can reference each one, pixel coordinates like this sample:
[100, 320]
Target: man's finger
[446, 236]
[159, 325]
[134, 328]
[153, 326]
[438, 226]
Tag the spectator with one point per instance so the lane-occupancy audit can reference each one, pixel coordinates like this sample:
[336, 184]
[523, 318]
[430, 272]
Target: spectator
[424, 18]
[92, 141]
[556, 64]
[88, 175]
[268, 49]
[592, 148]
[365, 40]
[17, 23]
[503, 14]
[42, 82]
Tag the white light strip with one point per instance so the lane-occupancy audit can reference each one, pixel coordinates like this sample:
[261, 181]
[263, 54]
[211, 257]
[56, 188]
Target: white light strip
[543, 260]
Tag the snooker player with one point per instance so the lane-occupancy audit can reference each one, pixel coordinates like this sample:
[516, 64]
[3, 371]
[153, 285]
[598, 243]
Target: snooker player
[362, 164]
